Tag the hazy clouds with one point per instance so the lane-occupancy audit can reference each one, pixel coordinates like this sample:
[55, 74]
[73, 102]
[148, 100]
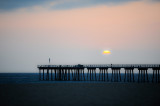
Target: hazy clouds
[30, 34]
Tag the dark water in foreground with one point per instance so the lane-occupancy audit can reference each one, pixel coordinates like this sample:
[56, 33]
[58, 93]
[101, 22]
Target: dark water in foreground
[12, 78]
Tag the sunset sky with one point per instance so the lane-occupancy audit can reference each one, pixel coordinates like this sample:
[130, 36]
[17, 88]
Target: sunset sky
[77, 32]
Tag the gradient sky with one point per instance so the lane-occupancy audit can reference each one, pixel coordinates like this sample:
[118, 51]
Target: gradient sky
[77, 32]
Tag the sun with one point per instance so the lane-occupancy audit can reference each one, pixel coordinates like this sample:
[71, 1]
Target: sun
[106, 52]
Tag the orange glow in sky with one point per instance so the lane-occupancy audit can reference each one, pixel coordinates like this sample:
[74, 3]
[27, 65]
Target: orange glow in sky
[106, 52]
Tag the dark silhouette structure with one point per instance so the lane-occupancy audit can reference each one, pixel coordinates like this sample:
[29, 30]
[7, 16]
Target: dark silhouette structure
[76, 72]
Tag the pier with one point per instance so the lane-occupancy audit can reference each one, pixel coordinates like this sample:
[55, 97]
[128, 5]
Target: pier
[98, 72]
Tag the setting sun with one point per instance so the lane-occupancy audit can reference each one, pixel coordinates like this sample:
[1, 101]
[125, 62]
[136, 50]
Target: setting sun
[106, 52]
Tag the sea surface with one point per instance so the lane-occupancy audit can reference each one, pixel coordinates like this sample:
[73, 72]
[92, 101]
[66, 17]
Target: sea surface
[20, 78]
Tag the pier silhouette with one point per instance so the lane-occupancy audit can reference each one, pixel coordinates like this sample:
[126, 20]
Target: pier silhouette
[76, 72]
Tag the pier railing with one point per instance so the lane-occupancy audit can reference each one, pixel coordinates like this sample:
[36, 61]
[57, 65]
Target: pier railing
[103, 65]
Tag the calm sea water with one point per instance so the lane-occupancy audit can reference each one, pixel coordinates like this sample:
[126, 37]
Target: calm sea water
[12, 78]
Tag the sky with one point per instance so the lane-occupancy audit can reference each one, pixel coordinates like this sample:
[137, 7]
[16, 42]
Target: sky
[77, 32]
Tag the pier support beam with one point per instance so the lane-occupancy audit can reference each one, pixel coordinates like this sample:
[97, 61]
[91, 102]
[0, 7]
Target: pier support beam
[78, 74]
[51, 74]
[83, 75]
[156, 75]
[143, 75]
[43, 74]
[72, 74]
[68, 74]
[95, 75]
[39, 74]
[103, 73]
[55, 74]
[47, 76]
[91, 73]
[60, 73]
[116, 75]
[129, 74]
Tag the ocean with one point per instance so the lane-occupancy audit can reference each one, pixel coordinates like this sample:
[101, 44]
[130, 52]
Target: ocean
[25, 89]
[20, 78]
